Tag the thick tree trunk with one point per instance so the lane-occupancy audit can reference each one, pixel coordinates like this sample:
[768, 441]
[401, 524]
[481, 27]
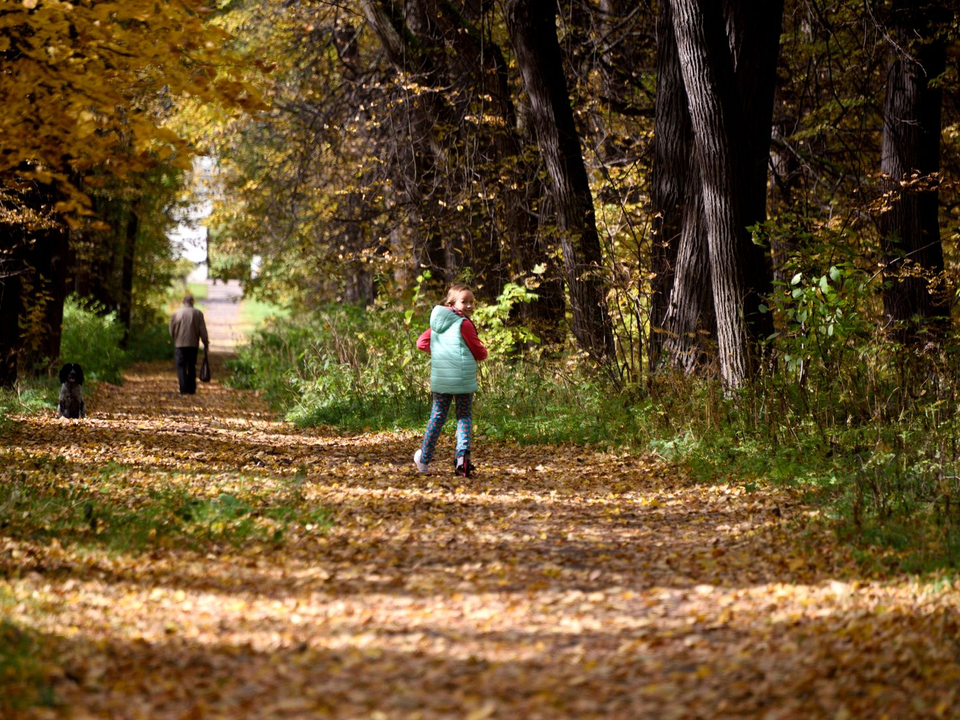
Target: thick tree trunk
[10, 310]
[690, 324]
[49, 260]
[532, 27]
[672, 154]
[717, 120]
[126, 279]
[910, 163]
[727, 60]
[742, 54]
[756, 46]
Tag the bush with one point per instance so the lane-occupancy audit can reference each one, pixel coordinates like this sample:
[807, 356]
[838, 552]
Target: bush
[151, 343]
[357, 369]
[342, 366]
[92, 337]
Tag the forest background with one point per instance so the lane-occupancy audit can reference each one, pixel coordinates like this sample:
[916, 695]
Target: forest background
[685, 236]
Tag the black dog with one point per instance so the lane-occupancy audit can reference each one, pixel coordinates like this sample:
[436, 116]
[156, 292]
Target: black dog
[71, 397]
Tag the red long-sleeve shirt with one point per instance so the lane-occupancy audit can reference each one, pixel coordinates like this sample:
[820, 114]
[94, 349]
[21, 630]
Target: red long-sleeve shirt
[468, 332]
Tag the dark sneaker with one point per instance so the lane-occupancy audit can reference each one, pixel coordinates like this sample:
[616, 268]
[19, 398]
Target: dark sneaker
[463, 468]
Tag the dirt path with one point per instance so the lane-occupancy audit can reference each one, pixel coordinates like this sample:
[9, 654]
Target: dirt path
[221, 310]
[558, 583]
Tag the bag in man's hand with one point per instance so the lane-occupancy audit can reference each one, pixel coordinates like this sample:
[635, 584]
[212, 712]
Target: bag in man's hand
[205, 369]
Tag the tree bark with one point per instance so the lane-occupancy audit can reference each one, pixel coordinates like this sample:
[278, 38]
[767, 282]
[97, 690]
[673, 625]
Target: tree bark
[690, 324]
[914, 307]
[518, 180]
[418, 153]
[438, 41]
[725, 82]
[672, 152]
[10, 310]
[709, 80]
[126, 280]
[532, 28]
[49, 259]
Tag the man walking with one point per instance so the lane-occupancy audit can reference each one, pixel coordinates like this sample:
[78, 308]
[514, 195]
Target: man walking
[187, 328]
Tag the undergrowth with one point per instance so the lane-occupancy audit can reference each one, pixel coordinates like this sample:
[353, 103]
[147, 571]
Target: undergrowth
[863, 428]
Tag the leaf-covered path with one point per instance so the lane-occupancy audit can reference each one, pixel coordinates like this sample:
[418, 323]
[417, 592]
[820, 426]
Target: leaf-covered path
[325, 578]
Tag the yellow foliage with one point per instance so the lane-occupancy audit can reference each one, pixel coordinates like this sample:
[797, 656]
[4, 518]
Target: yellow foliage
[88, 85]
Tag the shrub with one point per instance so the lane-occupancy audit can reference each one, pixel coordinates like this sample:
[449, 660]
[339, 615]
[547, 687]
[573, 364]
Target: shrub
[150, 343]
[357, 368]
[92, 337]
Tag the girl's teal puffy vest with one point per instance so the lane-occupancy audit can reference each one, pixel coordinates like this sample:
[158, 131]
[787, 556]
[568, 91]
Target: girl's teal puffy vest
[453, 369]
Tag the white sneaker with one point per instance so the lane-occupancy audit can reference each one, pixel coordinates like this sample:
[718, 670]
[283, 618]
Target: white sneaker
[421, 466]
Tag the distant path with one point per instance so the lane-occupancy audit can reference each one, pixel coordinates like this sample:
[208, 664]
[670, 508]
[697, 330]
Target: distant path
[221, 309]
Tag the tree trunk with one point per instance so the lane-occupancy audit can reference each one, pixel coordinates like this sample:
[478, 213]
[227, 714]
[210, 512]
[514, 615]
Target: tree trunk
[914, 305]
[434, 40]
[422, 155]
[708, 76]
[672, 152]
[126, 280]
[724, 81]
[755, 49]
[690, 325]
[10, 309]
[532, 28]
[49, 259]
[518, 180]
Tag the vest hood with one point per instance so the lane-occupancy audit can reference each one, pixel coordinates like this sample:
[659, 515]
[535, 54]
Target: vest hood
[443, 318]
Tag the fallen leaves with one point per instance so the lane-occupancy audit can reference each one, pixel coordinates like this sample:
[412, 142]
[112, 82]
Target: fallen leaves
[556, 583]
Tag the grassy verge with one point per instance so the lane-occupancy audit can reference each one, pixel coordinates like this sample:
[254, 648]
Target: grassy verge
[31, 395]
[108, 513]
[94, 339]
[254, 313]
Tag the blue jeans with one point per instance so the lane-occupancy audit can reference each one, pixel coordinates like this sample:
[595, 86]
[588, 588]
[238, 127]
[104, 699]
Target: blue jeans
[438, 416]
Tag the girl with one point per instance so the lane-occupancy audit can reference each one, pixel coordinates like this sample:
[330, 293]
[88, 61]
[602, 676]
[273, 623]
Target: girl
[454, 351]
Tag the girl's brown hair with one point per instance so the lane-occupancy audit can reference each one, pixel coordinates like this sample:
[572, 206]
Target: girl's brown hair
[454, 292]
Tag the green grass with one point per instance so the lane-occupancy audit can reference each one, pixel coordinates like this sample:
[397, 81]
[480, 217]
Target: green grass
[255, 313]
[102, 514]
[31, 395]
[200, 291]
[885, 479]
[23, 673]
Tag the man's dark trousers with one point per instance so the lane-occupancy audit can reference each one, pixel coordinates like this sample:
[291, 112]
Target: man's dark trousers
[187, 369]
